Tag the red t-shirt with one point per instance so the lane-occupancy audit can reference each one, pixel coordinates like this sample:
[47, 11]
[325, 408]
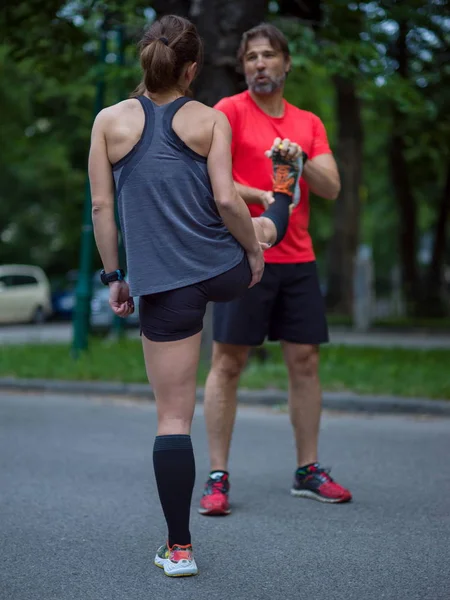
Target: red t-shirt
[253, 133]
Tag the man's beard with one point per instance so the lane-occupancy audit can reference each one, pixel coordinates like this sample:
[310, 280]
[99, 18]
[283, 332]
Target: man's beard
[273, 84]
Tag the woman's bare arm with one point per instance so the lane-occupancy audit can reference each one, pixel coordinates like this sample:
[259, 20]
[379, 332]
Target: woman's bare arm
[102, 193]
[230, 205]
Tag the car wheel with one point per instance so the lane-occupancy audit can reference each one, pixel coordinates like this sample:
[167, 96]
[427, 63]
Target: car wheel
[38, 316]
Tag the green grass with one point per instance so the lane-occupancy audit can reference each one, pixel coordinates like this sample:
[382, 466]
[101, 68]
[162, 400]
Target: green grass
[436, 325]
[402, 372]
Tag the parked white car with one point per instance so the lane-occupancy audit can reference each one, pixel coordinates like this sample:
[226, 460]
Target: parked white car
[25, 294]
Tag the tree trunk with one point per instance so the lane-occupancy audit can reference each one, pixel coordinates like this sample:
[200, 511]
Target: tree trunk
[407, 209]
[407, 214]
[345, 238]
[435, 276]
[221, 25]
[172, 7]
[440, 232]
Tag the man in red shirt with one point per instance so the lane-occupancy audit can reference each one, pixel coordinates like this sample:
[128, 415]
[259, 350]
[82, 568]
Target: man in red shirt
[287, 304]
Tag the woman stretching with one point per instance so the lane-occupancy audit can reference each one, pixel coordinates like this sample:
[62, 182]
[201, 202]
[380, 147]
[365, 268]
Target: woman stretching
[189, 239]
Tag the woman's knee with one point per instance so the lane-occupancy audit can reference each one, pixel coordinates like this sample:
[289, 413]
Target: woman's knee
[174, 425]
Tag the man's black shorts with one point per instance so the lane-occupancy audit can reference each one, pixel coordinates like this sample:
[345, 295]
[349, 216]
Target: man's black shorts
[287, 304]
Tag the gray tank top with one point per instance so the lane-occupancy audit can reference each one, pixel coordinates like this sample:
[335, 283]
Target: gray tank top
[171, 228]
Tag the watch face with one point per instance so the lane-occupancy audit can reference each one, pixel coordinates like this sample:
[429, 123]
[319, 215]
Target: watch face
[106, 278]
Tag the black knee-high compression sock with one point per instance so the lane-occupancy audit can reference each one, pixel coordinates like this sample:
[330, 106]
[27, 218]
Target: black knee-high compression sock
[285, 177]
[278, 212]
[174, 464]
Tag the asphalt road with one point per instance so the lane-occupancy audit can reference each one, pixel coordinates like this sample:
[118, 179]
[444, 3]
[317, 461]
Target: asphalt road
[80, 518]
[62, 333]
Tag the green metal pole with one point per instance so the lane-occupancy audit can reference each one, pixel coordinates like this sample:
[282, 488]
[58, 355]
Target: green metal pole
[82, 314]
[118, 324]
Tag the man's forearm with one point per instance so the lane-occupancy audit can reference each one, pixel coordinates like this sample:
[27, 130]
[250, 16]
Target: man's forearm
[248, 194]
[323, 181]
[237, 220]
[105, 233]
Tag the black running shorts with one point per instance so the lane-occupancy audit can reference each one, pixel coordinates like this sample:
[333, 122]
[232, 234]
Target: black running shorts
[287, 304]
[178, 314]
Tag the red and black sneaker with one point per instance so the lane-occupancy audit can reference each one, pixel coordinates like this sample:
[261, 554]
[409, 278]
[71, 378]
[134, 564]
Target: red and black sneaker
[214, 501]
[314, 482]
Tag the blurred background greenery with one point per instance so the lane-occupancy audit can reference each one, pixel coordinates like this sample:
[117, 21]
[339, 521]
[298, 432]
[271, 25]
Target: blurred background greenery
[377, 73]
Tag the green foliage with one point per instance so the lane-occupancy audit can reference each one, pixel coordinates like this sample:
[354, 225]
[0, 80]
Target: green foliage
[50, 70]
[356, 41]
[48, 57]
[398, 371]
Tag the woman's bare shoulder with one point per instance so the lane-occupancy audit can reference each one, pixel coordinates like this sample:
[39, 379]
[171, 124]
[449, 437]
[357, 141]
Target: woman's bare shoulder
[201, 113]
[198, 108]
[119, 110]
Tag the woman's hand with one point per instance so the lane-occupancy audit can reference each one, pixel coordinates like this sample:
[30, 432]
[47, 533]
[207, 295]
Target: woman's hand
[256, 262]
[120, 301]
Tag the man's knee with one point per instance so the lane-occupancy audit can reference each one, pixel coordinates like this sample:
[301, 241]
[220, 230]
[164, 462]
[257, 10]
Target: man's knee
[173, 424]
[302, 361]
[228, 361]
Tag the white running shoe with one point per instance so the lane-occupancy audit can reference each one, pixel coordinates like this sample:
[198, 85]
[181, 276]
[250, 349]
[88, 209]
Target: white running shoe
[177, 561]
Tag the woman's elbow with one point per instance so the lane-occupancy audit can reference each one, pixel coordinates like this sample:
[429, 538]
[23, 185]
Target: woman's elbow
[100, 206]
[226, 202]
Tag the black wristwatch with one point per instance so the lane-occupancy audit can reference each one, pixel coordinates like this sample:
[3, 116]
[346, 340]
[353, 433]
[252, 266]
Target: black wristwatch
[305, 157]
[117, 275]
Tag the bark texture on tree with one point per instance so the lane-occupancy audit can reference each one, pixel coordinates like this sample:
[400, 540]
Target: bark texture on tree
[345, 238]
[180, 8]
[435, 278]
[401, 182]
[441, 231]
[221, 25]
[407, 213]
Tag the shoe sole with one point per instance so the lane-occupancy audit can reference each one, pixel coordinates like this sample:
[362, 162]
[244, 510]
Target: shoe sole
[214, 512]
[313, 496]
[159, 562]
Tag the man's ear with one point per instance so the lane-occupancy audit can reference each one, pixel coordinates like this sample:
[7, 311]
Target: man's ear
[288, 66]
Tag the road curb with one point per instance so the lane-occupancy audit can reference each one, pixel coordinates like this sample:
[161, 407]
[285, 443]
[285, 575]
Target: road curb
[339, 401]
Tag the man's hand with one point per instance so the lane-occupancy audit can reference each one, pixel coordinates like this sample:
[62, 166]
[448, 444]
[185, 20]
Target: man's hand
[266, 199]
[286, 148]
[321, 172]
[286, 172]
[120, 301]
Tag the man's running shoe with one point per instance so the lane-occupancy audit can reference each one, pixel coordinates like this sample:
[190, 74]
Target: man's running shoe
[177, 561]
[316, 483]
[215, 501]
